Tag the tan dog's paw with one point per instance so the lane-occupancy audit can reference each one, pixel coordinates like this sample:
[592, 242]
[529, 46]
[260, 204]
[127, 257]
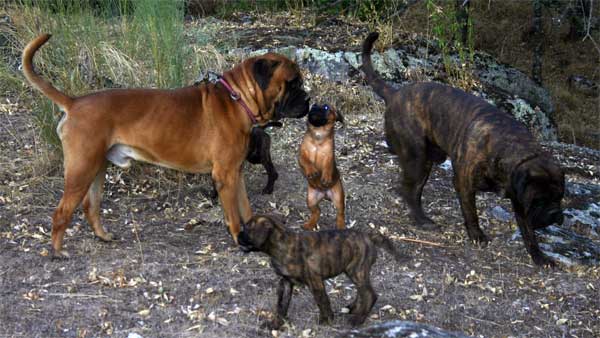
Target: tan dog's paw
[326, 181]
[59, 255]
[106, 237]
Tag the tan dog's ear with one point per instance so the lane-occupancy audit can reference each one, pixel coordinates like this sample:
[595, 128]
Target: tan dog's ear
[263, 70]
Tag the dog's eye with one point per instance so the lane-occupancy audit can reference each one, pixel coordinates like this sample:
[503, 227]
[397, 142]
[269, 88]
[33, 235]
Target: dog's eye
[326, 107]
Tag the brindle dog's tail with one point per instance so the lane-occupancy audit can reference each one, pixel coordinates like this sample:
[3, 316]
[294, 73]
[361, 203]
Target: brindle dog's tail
[387, 245]
[379, 86]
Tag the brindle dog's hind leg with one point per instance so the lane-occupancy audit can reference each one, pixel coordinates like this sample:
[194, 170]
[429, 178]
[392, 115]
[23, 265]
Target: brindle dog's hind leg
[365, 295]
[415, 172]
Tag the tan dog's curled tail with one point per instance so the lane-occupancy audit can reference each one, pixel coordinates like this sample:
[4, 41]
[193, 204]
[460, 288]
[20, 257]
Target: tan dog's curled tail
[379, 86]
[387, 245]
[38, 82]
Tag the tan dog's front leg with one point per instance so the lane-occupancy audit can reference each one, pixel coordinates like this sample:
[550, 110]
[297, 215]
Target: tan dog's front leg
[243, 202]
[327, 172]
[338, 199]
[310, 171]
[227, 184]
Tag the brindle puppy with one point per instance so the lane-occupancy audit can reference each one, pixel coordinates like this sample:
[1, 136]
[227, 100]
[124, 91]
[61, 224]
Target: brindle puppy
[490, 151]
[311, 257]
[317, 161]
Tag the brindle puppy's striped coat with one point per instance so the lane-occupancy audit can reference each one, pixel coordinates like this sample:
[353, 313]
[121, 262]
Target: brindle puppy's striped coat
[308, 258]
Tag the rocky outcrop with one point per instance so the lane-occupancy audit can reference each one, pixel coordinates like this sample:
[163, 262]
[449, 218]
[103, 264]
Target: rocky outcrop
[506, 87]
[567, 243]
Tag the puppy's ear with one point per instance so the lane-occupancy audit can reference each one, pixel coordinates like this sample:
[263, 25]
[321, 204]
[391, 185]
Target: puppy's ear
[339, 117]
[263, 70]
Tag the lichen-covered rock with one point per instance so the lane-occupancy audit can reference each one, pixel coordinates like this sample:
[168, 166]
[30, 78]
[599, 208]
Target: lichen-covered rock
[398, 329]
[512, 81]
[534, 119]
[509, 88]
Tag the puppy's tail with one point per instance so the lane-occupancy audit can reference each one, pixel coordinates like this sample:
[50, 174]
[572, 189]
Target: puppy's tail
[379, 86]
[387, 245]
[37, 81]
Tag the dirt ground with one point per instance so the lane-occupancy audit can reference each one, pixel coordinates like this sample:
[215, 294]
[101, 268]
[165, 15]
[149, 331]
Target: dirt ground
[158, 280]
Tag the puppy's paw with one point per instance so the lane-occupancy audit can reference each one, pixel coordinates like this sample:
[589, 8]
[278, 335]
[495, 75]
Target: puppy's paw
[268, 190]
[312, 176]
[272, 324]
[479, 238]
[543, 261]
[427, 224]
[326, 181]
[326, 320]
[357, 320]
[309, 226]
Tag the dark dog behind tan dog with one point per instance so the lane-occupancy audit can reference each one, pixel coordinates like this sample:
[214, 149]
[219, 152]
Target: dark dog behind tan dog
[309, 257]
[198, 129]
[490, 151]
[317, 162]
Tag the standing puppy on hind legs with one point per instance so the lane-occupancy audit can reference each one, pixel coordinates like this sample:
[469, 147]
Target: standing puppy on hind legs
[197, 129]
[489, 149]
[317, 161]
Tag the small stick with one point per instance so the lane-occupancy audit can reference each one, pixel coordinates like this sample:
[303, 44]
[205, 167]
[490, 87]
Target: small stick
[420, 241]
[76, 295]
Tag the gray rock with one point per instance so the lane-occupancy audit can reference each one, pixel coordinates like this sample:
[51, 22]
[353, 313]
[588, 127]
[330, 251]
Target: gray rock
[588, 216]
[512, 90]
[134, 335]
[534, 119]
[398, 329]
[332, 66]
[512, 81]
[566, 246]
[500, 214]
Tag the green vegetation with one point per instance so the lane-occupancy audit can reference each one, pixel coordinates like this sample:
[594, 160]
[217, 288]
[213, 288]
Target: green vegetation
[446, 30]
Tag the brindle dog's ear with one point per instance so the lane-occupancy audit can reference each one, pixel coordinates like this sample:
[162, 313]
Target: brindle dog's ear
[263, 70]
[518, 185]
